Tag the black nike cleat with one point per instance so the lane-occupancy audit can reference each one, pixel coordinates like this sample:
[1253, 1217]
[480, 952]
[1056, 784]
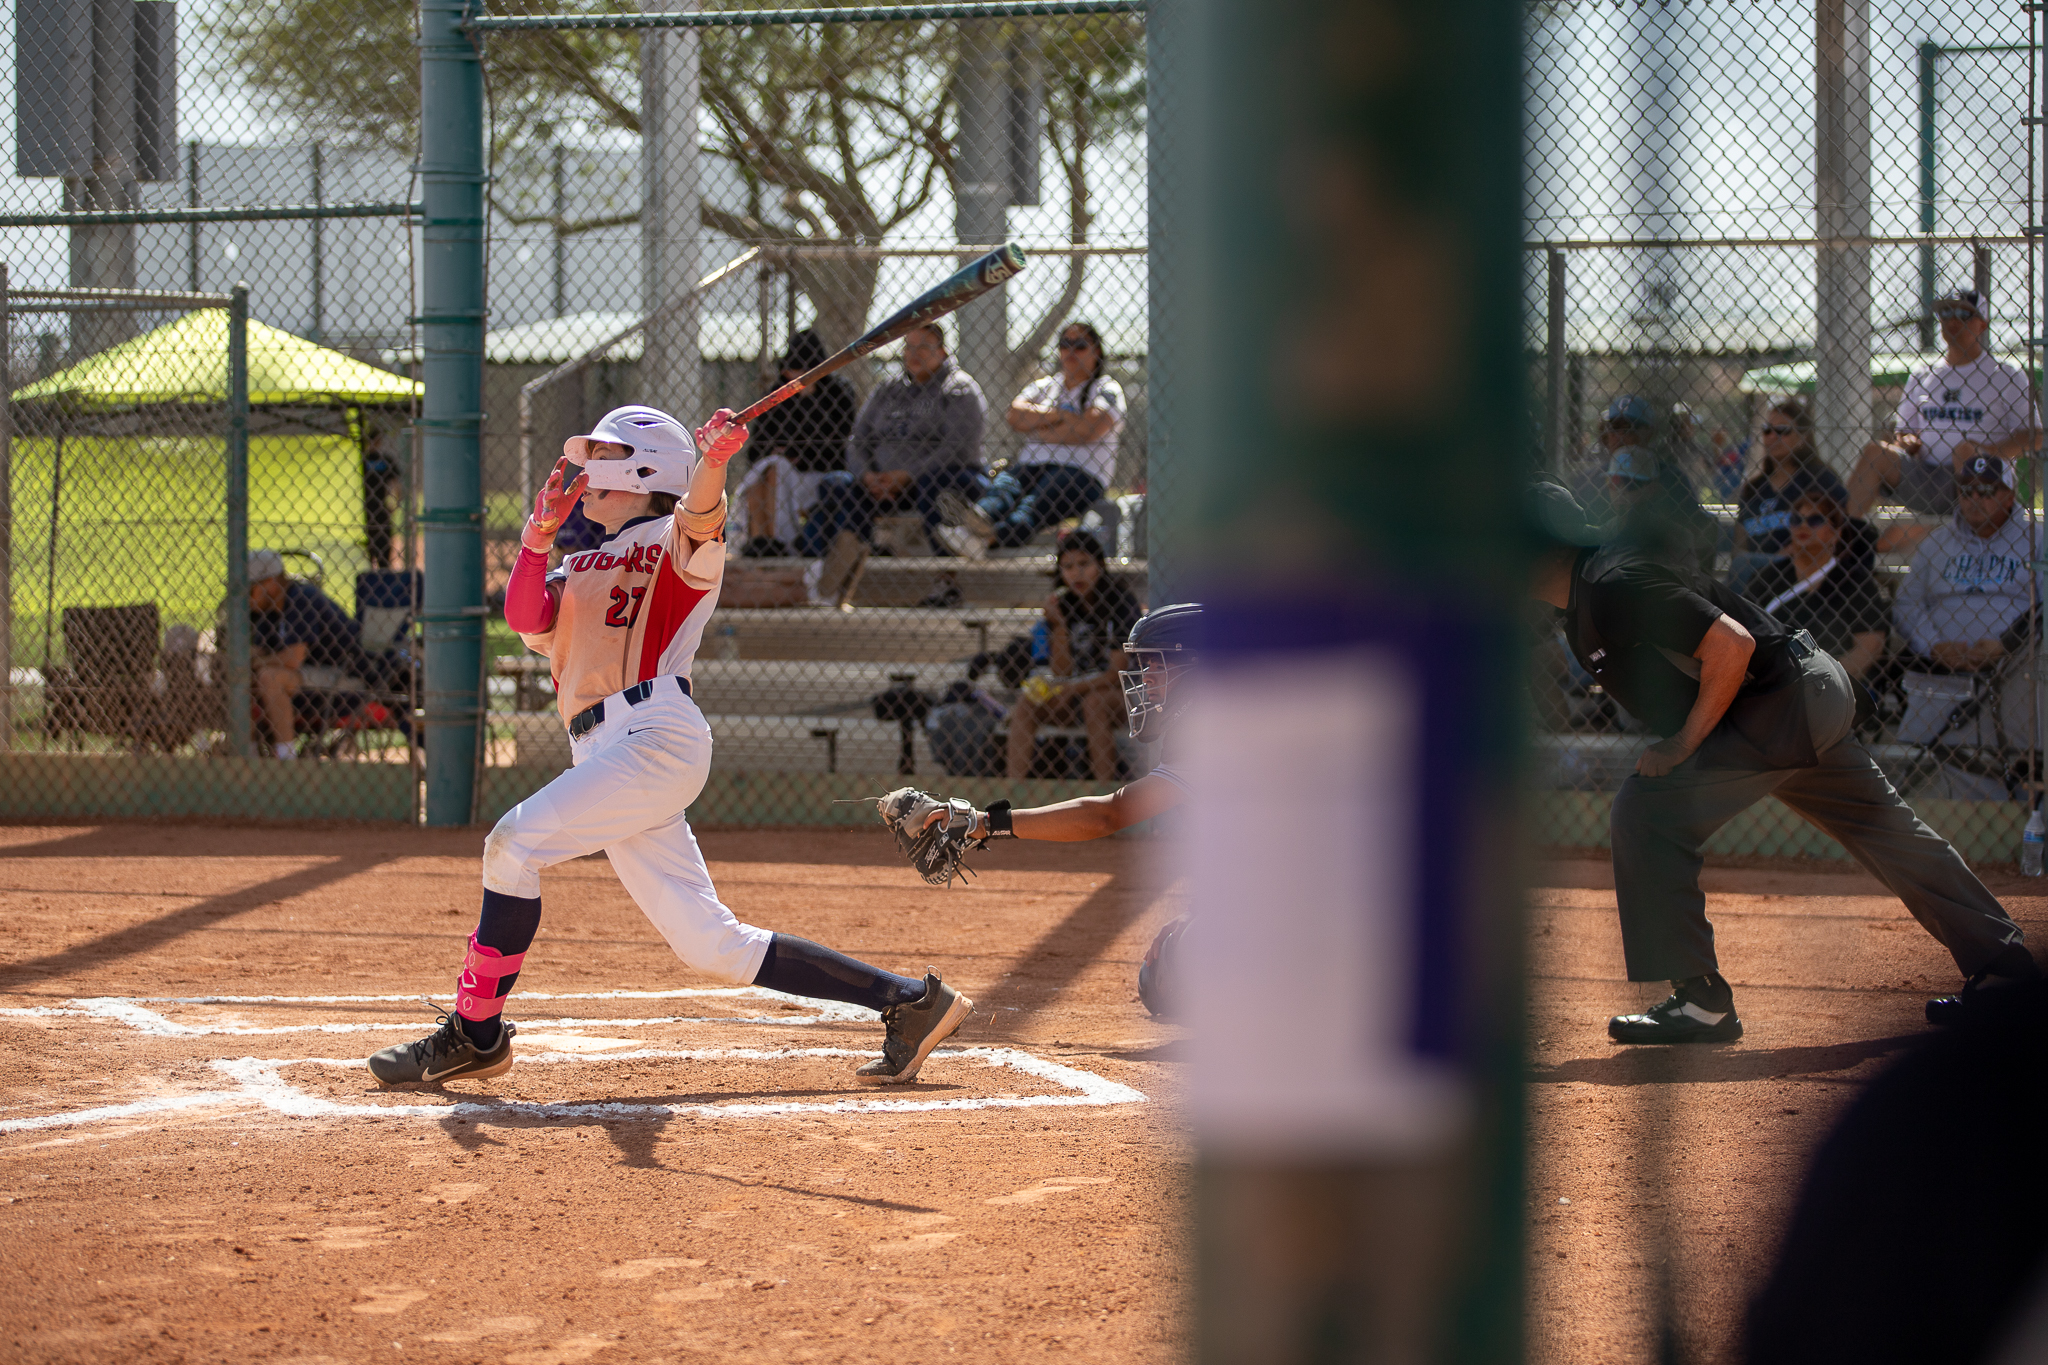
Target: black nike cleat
[446, 1054]
[1677, 1020]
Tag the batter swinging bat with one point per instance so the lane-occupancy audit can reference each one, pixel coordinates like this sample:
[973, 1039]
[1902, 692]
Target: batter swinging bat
[971, 283]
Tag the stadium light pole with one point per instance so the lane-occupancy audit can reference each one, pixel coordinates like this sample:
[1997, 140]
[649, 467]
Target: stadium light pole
[1348, 508]
[451, 421]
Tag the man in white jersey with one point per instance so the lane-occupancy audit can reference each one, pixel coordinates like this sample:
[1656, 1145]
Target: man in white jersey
[1162, 647]
[1967, 404]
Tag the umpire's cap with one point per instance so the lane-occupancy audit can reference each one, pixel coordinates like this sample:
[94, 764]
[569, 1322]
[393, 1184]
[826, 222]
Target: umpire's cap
[1557, 517]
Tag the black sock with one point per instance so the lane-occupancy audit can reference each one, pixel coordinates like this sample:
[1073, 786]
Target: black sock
[801, 967]
[1710, 992]
[508, 924]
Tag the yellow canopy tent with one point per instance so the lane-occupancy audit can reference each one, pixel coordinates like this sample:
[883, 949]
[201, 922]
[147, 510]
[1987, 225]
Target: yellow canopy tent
[127, 451]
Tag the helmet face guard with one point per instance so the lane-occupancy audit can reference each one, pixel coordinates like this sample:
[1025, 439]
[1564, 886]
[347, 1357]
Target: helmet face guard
[1161, 647]
[1148, 688]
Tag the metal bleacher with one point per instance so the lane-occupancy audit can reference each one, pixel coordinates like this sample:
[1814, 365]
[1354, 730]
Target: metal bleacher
[790, 689]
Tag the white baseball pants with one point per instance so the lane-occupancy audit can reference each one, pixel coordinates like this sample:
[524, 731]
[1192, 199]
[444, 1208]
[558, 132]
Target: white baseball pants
[634, 776]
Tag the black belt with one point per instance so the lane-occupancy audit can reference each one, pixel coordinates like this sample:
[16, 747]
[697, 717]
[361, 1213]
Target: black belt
[590, 717]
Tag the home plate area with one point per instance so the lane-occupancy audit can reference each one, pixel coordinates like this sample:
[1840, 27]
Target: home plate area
[714, 1055]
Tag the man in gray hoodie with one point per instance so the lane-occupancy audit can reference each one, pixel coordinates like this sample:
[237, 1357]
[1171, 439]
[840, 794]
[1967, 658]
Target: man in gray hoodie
[1965, 606]
[918, 433]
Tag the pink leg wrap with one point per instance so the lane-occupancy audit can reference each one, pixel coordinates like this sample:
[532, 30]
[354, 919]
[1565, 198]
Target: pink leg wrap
[476, 993]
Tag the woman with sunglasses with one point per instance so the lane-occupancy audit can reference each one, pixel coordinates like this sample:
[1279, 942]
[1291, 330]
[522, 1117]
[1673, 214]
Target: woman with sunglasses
[1818, 588]
[1070, 421]
[1763, 503]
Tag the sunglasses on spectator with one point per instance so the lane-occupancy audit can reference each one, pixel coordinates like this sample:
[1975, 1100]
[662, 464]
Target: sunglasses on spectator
[1954, 314]
[1779, 431]
[1075, 343]
[1980, 490]
[1814, 519]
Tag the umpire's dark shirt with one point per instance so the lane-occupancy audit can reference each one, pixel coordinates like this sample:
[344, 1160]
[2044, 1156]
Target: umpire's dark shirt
[1628, 606]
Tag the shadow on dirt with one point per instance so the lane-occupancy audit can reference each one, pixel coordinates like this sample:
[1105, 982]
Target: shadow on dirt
[1709, 1065]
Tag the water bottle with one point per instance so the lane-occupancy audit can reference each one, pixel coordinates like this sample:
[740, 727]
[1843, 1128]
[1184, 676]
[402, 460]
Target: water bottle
[2030, 844]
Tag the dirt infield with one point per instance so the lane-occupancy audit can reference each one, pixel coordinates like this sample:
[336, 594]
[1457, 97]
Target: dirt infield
[681, 1176]
[1830, 978]
[677, 1171]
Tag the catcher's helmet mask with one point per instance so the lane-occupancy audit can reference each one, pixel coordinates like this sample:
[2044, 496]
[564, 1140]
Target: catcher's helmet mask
[660, 454]
[1161, 647]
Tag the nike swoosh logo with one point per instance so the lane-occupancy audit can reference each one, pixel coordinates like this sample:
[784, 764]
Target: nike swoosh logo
[437, 1075]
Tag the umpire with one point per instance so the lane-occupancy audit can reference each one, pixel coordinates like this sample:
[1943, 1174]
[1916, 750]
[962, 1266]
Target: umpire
[1748, 710]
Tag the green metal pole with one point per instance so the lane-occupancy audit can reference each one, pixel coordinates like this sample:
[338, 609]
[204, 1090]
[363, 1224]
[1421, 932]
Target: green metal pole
[235, 649]
[1930, 54]
[1359, 1171]
[451, 421]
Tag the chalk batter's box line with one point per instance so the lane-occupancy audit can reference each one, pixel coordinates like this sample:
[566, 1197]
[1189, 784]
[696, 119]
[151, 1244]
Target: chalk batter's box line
[260, 1084]
[130, 1010]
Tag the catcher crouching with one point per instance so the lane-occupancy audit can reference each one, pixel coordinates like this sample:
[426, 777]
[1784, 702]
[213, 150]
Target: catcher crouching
[936, 834]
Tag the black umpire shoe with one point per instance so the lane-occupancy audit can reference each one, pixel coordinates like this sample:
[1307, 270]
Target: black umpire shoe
[2014, 966]
[1680, 1019]
[446, 1054]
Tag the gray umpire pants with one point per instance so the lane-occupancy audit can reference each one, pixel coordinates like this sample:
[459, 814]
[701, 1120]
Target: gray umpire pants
[1661, 823]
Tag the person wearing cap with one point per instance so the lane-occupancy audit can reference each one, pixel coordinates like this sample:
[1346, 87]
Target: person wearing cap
[1748, 709]
[1628, 421]
[293, 626]
[796, 444]
[1964, 608]
[1653, 509]
[1968, 403]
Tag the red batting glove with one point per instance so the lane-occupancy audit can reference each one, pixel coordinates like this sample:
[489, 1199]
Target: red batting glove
[718, 440]
[550, 505]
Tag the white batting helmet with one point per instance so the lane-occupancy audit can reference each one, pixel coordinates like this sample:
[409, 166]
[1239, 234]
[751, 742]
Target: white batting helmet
[662, 452]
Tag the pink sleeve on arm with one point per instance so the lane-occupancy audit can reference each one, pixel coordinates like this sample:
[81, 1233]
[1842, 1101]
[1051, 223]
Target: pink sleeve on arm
[529, 606]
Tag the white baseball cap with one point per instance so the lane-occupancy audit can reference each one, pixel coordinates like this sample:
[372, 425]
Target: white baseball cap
[265, 564]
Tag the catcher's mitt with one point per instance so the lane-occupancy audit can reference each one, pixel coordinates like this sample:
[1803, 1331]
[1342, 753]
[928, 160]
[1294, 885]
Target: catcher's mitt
[935, 851]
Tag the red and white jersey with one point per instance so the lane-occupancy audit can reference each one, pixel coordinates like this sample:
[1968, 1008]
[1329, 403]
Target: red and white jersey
[632, 609]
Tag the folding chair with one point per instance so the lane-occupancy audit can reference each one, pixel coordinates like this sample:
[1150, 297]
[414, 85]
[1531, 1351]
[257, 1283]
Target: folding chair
[1957, 742]
[118, 682]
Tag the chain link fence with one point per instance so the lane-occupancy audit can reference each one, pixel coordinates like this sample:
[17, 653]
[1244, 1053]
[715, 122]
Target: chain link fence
[674, 216]
[209, 560]
[895, 533]
[1782, 294]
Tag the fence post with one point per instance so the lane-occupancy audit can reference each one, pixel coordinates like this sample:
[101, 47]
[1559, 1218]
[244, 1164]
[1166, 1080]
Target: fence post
[1560, 362]
[451, 479]
[234, 651]
[672, 361]
[1358, 1185]
[1841, 394]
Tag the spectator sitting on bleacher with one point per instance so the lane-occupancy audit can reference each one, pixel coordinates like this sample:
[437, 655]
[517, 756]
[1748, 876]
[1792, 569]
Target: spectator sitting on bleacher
[293, 627]
[1654, 510]
[919, 434]
[1087, 616]
[1966, 404]
[1965, 606]
[1763, 505]
[795, 445]
[1070, 421]
[1816, 586]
